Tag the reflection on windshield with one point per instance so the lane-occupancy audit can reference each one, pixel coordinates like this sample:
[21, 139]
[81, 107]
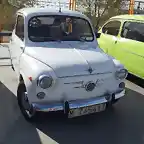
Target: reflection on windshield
[59, 28]
[134, 31]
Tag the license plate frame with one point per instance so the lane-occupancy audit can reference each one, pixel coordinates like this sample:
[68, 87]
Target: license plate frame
[75, 112]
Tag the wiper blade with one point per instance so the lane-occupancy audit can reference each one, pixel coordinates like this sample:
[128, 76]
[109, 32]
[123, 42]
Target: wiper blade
[82, 39]
[45, 39]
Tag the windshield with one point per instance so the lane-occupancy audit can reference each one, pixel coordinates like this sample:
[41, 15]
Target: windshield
[59, 28]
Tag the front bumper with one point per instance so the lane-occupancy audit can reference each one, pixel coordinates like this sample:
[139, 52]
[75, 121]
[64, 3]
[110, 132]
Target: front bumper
[62, 106]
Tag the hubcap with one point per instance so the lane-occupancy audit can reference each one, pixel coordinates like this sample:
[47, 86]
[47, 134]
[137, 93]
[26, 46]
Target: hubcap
[26, 106]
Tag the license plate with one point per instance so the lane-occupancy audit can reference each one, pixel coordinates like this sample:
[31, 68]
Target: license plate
[86, 110]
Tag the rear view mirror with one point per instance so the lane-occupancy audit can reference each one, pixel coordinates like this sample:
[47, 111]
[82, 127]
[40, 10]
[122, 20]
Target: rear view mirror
[98, 35]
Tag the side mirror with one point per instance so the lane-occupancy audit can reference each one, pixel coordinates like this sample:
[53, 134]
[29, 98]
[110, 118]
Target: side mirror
[98, 35]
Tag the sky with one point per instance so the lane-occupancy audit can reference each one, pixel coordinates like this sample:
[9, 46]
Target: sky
[136, 5]
[54, 3]
[65, 4]
[47, 3]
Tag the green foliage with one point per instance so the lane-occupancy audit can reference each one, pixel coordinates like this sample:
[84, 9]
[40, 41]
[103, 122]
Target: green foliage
[97, 10]
[7, 12]
[100, 10]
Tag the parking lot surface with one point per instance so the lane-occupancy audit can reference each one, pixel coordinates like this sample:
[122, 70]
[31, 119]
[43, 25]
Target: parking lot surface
[123, 124]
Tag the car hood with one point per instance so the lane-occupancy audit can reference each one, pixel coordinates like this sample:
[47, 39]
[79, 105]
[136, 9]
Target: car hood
[75, 60]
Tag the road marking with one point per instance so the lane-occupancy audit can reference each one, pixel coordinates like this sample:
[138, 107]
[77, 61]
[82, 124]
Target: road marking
[134, 87]
[44, 138]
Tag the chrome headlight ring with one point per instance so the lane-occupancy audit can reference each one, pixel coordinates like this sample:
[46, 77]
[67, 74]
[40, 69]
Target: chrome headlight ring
[45, 81]
[121, 74]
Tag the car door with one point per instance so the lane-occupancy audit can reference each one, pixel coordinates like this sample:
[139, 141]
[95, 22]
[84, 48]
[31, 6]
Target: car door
[109, 33]
[17, 42]
[130, 47]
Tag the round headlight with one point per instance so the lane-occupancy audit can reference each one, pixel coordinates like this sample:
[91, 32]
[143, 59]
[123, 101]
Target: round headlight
[45, 82]
[121, 74]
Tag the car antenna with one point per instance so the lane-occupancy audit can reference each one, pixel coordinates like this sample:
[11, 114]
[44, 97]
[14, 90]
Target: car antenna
[59, 6]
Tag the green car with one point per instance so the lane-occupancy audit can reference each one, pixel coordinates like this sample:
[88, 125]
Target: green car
[123, 38]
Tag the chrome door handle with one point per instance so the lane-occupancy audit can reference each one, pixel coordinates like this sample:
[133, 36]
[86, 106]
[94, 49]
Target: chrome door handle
[22, 48]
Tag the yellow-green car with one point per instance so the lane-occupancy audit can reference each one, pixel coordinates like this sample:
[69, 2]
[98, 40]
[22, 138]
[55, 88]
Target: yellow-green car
[123, 38]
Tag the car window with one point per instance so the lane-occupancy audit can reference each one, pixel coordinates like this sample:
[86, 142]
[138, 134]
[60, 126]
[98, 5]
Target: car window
[19, 31]
[133, 30]
[58, 27]
[112, 28]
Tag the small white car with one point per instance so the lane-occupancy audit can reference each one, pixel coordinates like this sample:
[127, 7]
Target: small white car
[59, 65]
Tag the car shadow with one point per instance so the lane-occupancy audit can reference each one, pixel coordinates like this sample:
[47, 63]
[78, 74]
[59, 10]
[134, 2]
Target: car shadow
[13, 128]
[122, 124]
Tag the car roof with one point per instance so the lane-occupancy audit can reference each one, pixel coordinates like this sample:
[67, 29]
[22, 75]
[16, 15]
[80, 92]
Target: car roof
[138, 17]
[29, 11]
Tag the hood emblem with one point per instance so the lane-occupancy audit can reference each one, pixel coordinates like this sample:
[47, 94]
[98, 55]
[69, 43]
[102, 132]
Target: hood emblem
[90, 70]
[90, 86]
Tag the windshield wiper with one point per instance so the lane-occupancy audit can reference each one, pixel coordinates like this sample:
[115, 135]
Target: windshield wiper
[45, 39]
[82, 39]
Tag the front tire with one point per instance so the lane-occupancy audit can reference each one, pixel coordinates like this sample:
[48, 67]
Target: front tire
[26, 108]
[111, 104]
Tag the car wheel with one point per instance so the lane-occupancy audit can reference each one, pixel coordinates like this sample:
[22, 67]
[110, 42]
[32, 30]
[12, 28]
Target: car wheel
[26, 109]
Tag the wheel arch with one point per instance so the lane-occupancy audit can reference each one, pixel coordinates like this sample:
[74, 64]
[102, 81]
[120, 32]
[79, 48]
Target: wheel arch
[24, 79]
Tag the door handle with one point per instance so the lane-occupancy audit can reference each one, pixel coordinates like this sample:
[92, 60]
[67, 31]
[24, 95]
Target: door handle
[22, 48]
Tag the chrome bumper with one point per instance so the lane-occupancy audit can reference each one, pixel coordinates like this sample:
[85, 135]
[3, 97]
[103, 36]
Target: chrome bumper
[75, 103]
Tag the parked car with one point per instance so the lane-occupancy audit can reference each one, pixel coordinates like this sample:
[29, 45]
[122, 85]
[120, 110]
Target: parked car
[60, 66]
[123, 38]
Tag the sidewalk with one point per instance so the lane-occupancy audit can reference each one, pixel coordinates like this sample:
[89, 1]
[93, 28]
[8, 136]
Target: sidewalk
[4, 55]
[13, 127]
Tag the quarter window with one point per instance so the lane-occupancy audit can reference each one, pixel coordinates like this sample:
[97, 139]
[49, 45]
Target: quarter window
[133, 31]
[20, 27]
[112, 28]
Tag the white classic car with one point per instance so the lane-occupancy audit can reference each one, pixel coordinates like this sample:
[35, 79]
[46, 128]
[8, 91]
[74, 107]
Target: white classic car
[59, 65]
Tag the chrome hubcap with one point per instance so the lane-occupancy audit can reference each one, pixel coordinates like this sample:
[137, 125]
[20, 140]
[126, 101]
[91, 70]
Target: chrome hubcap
[26, 106]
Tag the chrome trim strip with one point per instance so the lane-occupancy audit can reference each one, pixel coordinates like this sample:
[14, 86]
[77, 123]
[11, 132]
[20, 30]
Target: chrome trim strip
[120, 94]
[128, 51]
[78, 82]
[48, 107]
[74, 103]
[85, 75]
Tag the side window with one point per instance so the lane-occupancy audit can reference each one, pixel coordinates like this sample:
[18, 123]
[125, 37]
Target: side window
[20, 27]
[133, 31]
[112, 28]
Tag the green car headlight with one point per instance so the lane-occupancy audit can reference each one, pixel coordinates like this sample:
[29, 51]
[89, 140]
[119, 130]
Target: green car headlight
[121, 74]
[45, 81]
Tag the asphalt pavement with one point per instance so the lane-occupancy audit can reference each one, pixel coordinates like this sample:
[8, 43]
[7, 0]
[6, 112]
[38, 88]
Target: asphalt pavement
[123, 124]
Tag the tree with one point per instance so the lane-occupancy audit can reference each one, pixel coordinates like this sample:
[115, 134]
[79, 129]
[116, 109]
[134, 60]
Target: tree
[8, 9]
[100, 10]
[22, 3]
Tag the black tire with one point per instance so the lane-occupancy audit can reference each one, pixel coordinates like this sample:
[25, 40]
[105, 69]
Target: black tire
[20, 91]
[111, 104]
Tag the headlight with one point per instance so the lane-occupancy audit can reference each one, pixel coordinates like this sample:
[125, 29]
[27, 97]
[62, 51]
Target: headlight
[121, 74]
[45, 81]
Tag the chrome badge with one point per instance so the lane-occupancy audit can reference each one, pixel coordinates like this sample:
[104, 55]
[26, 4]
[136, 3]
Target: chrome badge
[90, 86]
[90, 70]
